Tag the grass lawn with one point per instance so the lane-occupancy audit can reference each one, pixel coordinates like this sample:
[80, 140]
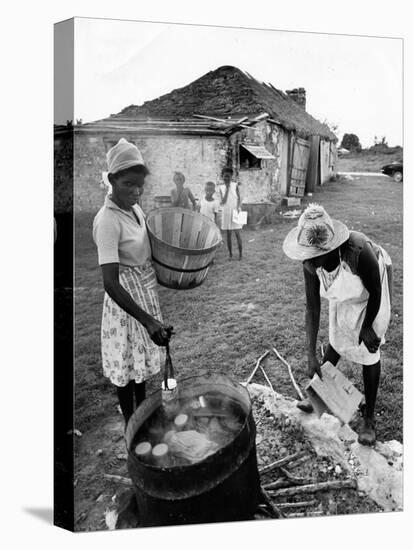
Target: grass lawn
[368, 161]
[244, 307]
[224, 326]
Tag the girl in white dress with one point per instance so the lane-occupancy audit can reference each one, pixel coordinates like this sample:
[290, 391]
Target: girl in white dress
[231, 202]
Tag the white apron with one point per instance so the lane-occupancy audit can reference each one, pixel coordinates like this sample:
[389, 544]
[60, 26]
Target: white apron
[348, 299]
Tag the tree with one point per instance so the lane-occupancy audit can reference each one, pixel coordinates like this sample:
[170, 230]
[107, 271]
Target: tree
[351, 142]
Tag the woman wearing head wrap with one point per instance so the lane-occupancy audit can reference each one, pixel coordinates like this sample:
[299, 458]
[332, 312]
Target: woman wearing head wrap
[355, 275]
[132, 327]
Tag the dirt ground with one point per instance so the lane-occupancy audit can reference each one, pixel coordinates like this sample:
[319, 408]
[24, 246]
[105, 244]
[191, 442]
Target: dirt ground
[227, 323]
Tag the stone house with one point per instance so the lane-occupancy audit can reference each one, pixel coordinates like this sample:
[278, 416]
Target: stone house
[226, 117]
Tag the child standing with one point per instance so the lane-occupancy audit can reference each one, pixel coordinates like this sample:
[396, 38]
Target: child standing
[231, 201]
[209, 205]
[182, 195]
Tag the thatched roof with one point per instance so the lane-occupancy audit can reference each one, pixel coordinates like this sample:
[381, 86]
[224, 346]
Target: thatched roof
[229, 92]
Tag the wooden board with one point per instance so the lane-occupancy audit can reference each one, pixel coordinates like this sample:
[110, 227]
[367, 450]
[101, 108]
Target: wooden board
[313, 165]
[299, 165]
[324, 161]
[334, 393]
[284, 165]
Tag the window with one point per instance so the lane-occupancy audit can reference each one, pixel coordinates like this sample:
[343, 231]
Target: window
[251, 156]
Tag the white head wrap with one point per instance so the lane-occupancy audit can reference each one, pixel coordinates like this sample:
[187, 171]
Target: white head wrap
[123, 155]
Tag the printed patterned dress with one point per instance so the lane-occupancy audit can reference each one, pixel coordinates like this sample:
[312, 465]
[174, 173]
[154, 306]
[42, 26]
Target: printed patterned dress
[128, 353]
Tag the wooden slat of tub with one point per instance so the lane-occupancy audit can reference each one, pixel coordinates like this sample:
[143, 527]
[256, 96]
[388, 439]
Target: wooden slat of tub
[177, 225]
[186, 230]
[167, 226]
[196, 228]
[211, 239]
[157, 225]
[200, 243]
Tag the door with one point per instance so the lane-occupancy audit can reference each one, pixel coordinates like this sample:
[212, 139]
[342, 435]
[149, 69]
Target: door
[299, 165]
[313, 172]
[324, 161]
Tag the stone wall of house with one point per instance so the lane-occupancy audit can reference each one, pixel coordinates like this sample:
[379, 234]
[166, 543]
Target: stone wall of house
[200, 159]
[260, 184]
[89, 163]
[63, 173]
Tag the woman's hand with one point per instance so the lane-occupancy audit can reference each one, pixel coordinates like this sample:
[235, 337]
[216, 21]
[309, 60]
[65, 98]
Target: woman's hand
[159, 332]
[313, 367]
[370, 339]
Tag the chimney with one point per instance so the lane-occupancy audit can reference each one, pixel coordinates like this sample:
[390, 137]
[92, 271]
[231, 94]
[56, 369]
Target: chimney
[297, 95]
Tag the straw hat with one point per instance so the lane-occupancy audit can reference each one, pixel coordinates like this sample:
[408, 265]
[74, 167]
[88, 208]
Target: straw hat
[316, 234]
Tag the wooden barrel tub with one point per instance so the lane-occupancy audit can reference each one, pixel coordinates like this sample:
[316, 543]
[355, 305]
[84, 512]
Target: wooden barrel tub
[225, 486]
[183, 246]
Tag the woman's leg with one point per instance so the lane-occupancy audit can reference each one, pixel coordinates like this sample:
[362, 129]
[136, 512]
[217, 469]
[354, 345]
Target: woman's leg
[229, 242]
[140, 392]
[371, 378]
[331, 355]
[125, 396]
[239, 241]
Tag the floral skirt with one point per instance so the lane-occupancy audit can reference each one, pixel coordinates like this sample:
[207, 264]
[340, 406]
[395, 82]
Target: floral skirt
[128, 353]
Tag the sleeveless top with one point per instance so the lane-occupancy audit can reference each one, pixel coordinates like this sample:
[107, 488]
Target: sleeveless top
[354, 246]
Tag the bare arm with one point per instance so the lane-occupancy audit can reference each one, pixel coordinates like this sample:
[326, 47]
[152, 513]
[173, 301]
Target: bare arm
[192, 198]
[369, 273]
[158, 332]
[239, 197]
[225, 197]
[312, 317]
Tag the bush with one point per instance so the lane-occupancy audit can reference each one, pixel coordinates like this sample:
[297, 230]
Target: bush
[351, 142]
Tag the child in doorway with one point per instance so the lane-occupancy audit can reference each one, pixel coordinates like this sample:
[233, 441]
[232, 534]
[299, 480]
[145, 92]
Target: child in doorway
[231, 201]
[209, 206]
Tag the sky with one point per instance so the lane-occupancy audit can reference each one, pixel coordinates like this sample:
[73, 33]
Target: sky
[351, 81]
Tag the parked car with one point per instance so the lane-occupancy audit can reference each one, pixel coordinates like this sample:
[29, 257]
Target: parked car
[394, 170]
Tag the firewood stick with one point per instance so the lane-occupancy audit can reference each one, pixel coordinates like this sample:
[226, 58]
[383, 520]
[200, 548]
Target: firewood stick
[305, 514]
[119, 479]
[277, 484]
[290, 372]
[263, 356]
[314, 487]
[281, 462]
[276, 512]
[299, 461]
[266, 377]
[302, 504]
[295, 479]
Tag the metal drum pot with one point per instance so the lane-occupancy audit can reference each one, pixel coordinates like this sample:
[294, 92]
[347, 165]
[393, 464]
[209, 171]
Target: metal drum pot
[224, 486]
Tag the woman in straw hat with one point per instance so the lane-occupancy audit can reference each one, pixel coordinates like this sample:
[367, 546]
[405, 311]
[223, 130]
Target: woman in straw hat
[132, 327]
[355, 275]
